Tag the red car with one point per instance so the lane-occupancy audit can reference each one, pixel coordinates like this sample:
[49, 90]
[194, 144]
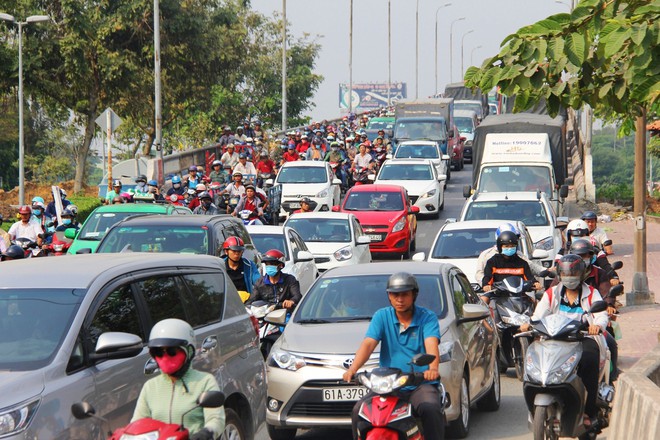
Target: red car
[386, 215]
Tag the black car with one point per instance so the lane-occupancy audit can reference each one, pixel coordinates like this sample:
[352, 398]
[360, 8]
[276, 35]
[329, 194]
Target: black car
[184, 234]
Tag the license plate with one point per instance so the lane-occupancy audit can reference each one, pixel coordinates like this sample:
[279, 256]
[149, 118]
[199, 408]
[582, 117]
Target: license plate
[375, 237]
[294, 205]
[343, 394]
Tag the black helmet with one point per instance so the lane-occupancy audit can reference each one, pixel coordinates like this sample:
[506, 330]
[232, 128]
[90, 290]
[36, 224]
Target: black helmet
[402, 282]
[589, 215]
[14, 252]
[506, 237]
[582, 246]
[205, 195]
[570, 269]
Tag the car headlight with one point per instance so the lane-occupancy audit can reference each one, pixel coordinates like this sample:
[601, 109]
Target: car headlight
[468, 143]
[17, 418]
[547, 244]
[285, 360]
[399, 225]
[153, 435]
[345, 253]
[383, 384]
[323, 193]
[428, 194]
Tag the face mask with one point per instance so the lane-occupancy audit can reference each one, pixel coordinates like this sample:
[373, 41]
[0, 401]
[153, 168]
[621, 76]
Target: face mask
[171, 364]
[206, 203]
[333, 148]
[66, 221]
[141, 184]
[571, 282]
[36, 212]
[177, 185]
[271, 271]
[509, 252]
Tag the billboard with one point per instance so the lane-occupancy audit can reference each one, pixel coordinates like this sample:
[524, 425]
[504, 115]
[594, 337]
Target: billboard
[370, 96]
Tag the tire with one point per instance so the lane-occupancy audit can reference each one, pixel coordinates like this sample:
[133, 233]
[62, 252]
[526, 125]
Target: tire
[448, 174]
[491, 401]
[234, 429]
[281, 433]
[460, 427]
[462, 163]
[406, 254]
[413, 245]
[540, 428]
[520, 362]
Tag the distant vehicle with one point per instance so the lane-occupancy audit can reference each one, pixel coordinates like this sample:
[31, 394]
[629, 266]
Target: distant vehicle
[335, 238]
[306, 178]
[386, 215]
[102, 218]
[425, 150]
[473, 105]
[493, 108]
[381, 123]
[467, 122]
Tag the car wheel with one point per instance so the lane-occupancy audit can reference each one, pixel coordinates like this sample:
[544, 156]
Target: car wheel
[281, 433]
[406, 254]
[234, 429]
[460, 427]
[441, 206]
[413, 245]
[491, 401]
[462, 163]
[448, 175]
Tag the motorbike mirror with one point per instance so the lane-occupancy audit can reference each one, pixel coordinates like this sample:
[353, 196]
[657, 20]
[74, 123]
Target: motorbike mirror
[476, 287]
[70, 233]
[617, 265]
[598, 306]
[422, 359]
[615, 291]
[467, 191]
[50, 224]
[277, 317]
[211, 399]
[335, 208]
[607, 243]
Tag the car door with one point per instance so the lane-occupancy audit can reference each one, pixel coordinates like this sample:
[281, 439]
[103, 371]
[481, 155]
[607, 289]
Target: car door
[362, 251]
[335, 190]
[305, 271]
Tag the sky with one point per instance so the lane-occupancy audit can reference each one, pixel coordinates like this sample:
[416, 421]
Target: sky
[327, 22]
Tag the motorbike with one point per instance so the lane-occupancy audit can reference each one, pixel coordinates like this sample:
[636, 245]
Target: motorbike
[386, 415]
[553, 392]
[149, 428]
[249, 217]
[268, 332]
[59, 245]
[361, 176]
[30, 247]
[263, 179]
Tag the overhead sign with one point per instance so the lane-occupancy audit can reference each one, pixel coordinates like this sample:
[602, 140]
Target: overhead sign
[370, 96]
[102, 120]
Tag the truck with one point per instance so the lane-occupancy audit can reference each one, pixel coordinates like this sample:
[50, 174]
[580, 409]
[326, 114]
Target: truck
[459, 92]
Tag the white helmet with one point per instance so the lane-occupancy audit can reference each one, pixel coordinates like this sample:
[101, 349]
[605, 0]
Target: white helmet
[577, 228]
[172, 333]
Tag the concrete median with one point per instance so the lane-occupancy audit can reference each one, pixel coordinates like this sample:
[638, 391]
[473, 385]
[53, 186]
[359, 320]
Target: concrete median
[636, 411]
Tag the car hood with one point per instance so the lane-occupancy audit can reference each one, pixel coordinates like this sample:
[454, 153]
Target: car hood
[537, 233]
[414, 187]
[325, 247]
[304, 338]
[297, 190]
[377, 217]
[19, 386]
[467, 265]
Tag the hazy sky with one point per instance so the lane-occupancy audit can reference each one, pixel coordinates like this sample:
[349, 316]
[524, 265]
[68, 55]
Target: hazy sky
[327, 21]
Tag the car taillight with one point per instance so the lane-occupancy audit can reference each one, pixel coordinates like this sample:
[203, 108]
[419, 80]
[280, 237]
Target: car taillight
[255, 324]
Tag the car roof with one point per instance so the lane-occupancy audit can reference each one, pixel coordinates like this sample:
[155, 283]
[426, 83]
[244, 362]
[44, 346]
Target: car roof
[372, 187]
[180, 220]
[329, 215]
[389, 268]
[305, 163]
[79, 271]
[420, 118]
[514, 196]
[465, 112]
[264, 229]
[136, 207]
[408, 161]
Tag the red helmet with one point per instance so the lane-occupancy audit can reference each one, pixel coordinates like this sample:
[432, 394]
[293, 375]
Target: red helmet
[273, 256]
[25, 209]
[234, 244]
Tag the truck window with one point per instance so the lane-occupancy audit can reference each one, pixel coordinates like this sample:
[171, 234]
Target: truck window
[515, 178]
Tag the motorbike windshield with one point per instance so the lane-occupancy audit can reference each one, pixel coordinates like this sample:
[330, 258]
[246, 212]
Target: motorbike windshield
[148, 238]
[33, 324]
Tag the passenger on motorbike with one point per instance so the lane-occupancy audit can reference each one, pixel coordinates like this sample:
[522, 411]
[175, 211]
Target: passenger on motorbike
[51, 210]
[176, 188]
[194, 202]
[206, 205]
[276, 287]
[591, 219]
[25, 228]
[571, 298]
[250, 202]
[173, 394]
[404, 330]
[242, 272]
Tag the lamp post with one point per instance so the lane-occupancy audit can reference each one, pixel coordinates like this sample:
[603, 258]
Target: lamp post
[436, 45]
[158, 114]
[284, 97]
[451, 49]
[472, 53]
[21, 145]
[350, 62]
[389, 53]
[417, 50]
[462, 47]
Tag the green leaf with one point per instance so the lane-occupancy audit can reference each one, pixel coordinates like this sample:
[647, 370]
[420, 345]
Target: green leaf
[579, 13]
[575, 48]
[521, 101]
[615, 42]
[489, 79]
[556, 48]
[542, 48]
[469, 73]
[642, 91]
[638, 33]
[604, 90]
[619, 89]
[653, 8]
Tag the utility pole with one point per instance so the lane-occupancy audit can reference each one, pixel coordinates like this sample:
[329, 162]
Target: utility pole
[350, 62]
[389, 52]
[284, 97]
[157, 96]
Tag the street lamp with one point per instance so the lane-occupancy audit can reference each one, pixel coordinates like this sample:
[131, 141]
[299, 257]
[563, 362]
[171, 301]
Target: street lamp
[284, 97]
[436, 44]
[21, 145]
[158, 115]
[462, 46]
[472, 53]
[417, 50]
[451, 49]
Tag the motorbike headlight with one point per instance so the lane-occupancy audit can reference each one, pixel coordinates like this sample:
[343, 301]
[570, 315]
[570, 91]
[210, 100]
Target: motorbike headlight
[532, 372]
[285, 360]
[153, 435]
[564, 370]
[58, 247]
[323, 193]
[399, 225]
[343, 254]
[17, 418]
[428, 194]
[546, 244]
[517, 319]
[383, 384]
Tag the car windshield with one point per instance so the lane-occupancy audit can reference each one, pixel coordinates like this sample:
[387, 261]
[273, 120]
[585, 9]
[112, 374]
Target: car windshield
[463, 244]
[531, 212]
[464, 124]
[359, 296]
[474, 106]
[417, 152]
[396, 171]
[515, 178]
[302, 175]
[266, 242]
[380, 125]
[433, 130]
[374, 201]
[33, 324]
[321, 229]
[148, 238]
[98, 224]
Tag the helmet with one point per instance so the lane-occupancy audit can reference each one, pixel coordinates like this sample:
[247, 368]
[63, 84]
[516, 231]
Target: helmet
[141, 178]
[292, 146]
[216, 162]
[230, 146]
[306, 200]
[506, 227]
[257, 122]
[67, 213]
[263, 153]
[242, 156]
[176, 179]
[402, 282]
[506, 237]
[174, 333]
[192, 168]
[249, 140]
[39, 205]
[582, 246]
[38, 199]
[25, 209]
[589, 215]
[73, 208]
[204, 195]
[237, 173]
[577, 228]
[233, 243]
[116, 182]
[152, 182]
[14, 252]
[200, 187]
[570, 269]
[273, 255]
[250, 186]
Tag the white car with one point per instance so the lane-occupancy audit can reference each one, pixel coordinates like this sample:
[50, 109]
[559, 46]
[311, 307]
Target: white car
[430, 150]
[299, 260]
[531, 208]
[460, 244]
[335, 238]
[307, 178]
[419, 177]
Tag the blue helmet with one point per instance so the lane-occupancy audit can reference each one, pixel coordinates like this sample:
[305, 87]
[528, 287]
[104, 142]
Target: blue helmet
[176, 179]
[38, 199]
[506, 227]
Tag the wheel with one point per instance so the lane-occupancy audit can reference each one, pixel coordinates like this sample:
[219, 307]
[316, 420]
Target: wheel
[542, 428]
[441, 206]
[462, 163]
[460, 427]
[234, 429]
[413, 245]
[491, 401]
[448, 174]
[520, 358]
[406, 254]
[281, 433]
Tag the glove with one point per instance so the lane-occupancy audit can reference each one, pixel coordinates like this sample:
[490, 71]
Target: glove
[204, 434]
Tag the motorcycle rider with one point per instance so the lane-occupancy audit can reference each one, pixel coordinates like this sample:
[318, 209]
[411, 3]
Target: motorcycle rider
[290, 155]
[250, 202]
[169, 396]
[219, 174]
[25, 228]
[68, 221]
[591, 219]
[230, 157]
[363, 159]
[176, 188]
[141, 185]
[242, 272]
[244, 167]
[505, 263]
[266, 165]
[39, 216]
[580, 229]
[571, 298]
[51, 210]
[152, 188]
[336, 155]
[195, 201]
[192, 179]
[226, 138]
[276, 287]
[404, 330]
[116, 191]
[305, 205]
[206, 205]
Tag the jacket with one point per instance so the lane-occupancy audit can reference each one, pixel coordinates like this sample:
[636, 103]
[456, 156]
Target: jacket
[499, 267]
[250, 272]
[551, 301]
[287, 287]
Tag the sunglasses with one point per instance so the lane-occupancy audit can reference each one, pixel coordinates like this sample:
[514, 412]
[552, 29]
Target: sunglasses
[160, 351]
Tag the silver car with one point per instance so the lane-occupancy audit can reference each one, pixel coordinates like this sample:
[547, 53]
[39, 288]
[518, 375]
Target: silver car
[55, 349]
[306, 364]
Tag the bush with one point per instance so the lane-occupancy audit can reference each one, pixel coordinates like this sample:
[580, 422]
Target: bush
[85, 206]
[617, 194]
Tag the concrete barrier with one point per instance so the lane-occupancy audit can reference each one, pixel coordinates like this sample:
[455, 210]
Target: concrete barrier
[636, 410]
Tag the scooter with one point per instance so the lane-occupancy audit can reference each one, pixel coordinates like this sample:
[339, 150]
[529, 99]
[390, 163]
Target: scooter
[248, 217]
[361, 176]
[268, 333]
[149, 428]
[386, 415]
[30, 247]
[59, 245]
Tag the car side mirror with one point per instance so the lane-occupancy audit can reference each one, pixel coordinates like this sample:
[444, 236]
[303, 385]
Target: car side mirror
[70, 233]
[563, 191]
[419, 256]
[467, 191]
[336, 181]
[414, 210]
[335, 208]
[116, 345]
[84, 251]
[540, 254]
[277, 317]
[473, 312]
[304, 256]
